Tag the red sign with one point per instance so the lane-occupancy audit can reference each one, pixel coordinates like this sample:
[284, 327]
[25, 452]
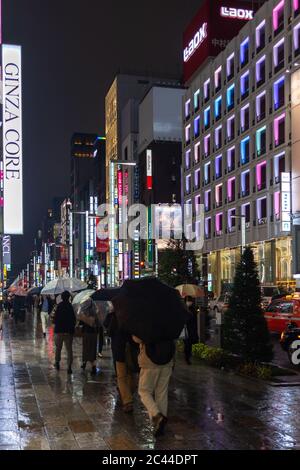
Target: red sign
[214, 26]
[102, 246]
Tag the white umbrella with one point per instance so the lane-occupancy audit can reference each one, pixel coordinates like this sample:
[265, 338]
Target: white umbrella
[60, 285]
[81, 298]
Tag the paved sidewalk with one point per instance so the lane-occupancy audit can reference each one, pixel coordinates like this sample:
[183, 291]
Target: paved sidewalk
[209, 409]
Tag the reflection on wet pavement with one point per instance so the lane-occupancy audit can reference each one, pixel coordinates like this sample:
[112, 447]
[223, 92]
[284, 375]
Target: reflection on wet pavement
[41, 409]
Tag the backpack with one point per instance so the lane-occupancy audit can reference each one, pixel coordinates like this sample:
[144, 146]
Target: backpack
[161, 353]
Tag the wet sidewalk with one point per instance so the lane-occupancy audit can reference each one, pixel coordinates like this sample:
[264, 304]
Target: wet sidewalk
[209, 409]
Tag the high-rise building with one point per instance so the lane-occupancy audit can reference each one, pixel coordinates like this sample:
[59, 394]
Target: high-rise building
[240, 134]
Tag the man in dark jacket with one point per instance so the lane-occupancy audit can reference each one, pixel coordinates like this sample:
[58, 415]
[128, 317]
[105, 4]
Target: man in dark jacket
[64, 321]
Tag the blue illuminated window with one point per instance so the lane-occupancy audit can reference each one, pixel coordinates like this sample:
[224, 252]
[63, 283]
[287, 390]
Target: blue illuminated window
[197, 127]
[279, 93]
[244, 52]
[245, 85]
[245, 150]
[218, 108]
[218, 166]
[207, 117]
[230, 97]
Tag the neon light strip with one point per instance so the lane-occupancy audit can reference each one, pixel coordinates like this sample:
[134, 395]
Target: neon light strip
[277, 202]
[276, 13]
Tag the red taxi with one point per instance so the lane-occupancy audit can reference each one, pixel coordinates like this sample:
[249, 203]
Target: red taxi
[282, 312]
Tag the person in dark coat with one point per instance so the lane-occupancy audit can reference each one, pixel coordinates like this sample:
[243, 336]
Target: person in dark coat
[89, 339]
[64, 328]
[125, 354]
[191, 329]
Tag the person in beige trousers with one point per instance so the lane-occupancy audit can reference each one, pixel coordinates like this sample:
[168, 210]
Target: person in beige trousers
[154, 385]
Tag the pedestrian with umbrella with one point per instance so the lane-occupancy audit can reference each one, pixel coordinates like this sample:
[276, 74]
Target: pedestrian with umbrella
[191, 329]
[64, 328]
[155, 315]
[90, 326]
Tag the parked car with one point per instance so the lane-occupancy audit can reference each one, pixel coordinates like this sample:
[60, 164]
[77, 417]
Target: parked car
[220, 304]
[282, 312]
[267, 293]
[288, 336]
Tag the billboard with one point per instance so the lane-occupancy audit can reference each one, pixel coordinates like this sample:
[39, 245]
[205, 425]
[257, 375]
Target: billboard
[213, 27]
[6, 251]
[12, 139]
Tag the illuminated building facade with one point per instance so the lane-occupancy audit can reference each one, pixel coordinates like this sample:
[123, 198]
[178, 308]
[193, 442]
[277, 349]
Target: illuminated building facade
[240, 140]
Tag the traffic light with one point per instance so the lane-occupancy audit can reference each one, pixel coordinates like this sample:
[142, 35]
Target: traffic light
[142, 264]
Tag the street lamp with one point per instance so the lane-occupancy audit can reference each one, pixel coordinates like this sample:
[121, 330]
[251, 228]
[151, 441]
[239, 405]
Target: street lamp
[243, 228]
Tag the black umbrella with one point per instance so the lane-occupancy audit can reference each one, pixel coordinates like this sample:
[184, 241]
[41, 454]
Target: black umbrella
[34, 291]
[150, 310]
[105, 295]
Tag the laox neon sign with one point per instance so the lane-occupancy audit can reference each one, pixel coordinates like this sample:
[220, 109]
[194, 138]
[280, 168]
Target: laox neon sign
[197, 40]
[237, 13]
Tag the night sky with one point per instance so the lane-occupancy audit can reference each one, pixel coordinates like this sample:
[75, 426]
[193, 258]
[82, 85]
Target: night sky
[72, 49]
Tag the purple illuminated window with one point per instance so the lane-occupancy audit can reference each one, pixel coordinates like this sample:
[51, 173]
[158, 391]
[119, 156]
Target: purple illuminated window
[278, 55]
[219, 195]
[197, 153]
[261, 71]
[230, 128]
[261, 176]
[296, 38]
[206, 90]
[245, 183]
[231, 159]
[261, 208]
[261, 106]
[261, 36]
[244, 52]
[278, 17]
[188, 184]
[230, 66]
[197, 179]
[197, 204]
[187, 108]
[188, 134]
[277, 205]
[188, 160]
[197, 127]
[278, 93]
[207, 173]
[245, 120]
[245, 84]
[231, 189]
[208, 227]
[231, 219]
[218, 76]
[207, 200]
[279, 130]
[219, 224]
[218, 166]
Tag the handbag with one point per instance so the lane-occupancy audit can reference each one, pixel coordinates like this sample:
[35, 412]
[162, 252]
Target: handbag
[78, 332]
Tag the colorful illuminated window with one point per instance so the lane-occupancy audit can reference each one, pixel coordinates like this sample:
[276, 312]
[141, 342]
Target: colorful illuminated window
[278, 17]
[218, 137]
[296, 39]
[231, 189]
[188, 134]
[261, 136]
[278, 55]
[218, 166]
[231, 222]
[245, 183]
[231, 159]
[246, 212]
[197, 204]
[245, 84]
[188, 208]
[245, 118]
[278, 93]
[219, 224]
[279, 130]
[260, 106]
[207, 117]
[230, 97]
[219, 194]
[187, 109]
[207, 145]
[197, 153]
[261, 71]
[197, 100]
[244, 52]
[260, 36]
[218, 108]
[207, 200]
[197, 126]
[207, 227]
[296, 7]
[245, 150]
[230, 128]
[218, 79]
[197, 179]
[261, 210]
[188, 160]
[230, 67]
[277, 205]
[206, 89]
[207, 173]
[188, 180]
[279, 166]
[261, 176]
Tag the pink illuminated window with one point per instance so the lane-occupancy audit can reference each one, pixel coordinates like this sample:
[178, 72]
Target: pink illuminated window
[219, 224]
[219, 195]
[278, 17]
[277, 205]
[261, 176]
[231, 189]
[296, 7]
[279, 130]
